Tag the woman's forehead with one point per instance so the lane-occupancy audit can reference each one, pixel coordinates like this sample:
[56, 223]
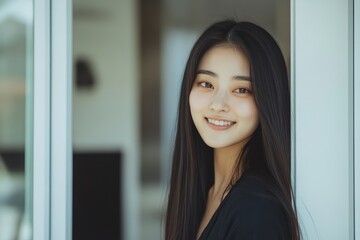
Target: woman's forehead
[225, 60]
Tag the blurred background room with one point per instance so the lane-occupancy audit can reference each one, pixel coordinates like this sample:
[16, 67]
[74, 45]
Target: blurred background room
[128, 61]
[129, 58]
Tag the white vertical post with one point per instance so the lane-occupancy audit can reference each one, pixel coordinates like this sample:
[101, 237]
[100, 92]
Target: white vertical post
[292, 95]
[323, 80]
[41, 131]
[357, 115]
[61, 132]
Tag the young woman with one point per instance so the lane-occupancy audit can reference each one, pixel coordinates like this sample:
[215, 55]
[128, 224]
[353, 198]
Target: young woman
[231, 164]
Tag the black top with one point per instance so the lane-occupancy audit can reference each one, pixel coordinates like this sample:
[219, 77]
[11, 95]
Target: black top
[248, 212]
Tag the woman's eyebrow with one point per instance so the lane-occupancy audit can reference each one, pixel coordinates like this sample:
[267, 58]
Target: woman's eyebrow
[207, 72]
[212, 74]
[242, 78]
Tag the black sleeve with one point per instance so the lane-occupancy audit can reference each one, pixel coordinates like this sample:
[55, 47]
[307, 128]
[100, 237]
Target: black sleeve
[264, 220]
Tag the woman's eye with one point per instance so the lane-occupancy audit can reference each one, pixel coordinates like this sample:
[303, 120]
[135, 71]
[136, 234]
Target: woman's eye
[241, 90]
[206, 85]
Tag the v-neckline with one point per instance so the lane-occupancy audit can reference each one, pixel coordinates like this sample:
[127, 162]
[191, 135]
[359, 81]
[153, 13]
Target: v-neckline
[208, 227]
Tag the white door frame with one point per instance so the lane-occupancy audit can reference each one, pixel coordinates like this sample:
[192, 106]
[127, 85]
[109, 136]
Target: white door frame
[357, 115]
[52, 138]
[323, 117]
[41, 132]
[61, 120]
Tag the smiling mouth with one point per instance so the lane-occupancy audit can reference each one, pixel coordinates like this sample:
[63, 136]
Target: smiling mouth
[220, 123]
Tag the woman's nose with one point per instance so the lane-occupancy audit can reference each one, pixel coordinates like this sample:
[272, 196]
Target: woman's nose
[219, 103]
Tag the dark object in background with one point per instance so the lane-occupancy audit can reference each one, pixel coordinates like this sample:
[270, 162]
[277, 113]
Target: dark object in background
[14, 160]
[84, 75]
[97, 192]
[97, 196]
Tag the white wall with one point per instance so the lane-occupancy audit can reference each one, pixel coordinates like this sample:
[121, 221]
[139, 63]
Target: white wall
[357, 114]
[322, 80]
[106, 117]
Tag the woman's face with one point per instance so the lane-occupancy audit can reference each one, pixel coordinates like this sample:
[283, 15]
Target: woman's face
[221, 101]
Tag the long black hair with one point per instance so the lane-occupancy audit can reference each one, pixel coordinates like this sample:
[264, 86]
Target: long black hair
[267, 152]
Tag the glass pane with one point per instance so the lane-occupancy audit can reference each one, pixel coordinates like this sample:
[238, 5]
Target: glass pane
[16, 21]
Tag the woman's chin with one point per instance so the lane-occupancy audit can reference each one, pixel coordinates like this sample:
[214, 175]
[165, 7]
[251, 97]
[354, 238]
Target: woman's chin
[217, 144]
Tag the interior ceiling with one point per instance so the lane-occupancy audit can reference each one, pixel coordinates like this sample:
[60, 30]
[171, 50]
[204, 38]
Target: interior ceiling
[188, 9]
[200, 13]
[188, 13]
[94, 9]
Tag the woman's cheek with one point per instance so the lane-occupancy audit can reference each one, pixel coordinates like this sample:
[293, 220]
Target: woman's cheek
[246, 108]
[198, 100]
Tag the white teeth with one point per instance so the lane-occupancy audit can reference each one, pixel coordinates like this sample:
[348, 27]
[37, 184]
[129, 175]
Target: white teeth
[220, 123]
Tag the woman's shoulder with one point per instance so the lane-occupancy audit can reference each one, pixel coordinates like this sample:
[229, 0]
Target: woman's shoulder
[253, 211]
[252, 194]
[253, 187]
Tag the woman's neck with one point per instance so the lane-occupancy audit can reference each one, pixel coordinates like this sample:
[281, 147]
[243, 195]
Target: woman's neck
[224, 163]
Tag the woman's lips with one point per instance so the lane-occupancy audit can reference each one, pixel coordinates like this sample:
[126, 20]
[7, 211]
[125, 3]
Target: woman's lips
[219, 124]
